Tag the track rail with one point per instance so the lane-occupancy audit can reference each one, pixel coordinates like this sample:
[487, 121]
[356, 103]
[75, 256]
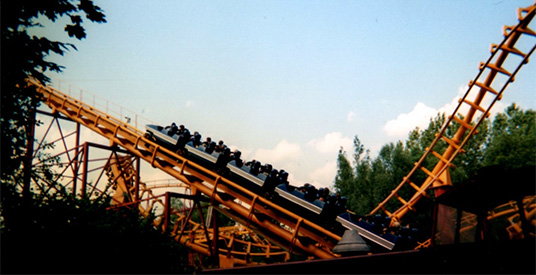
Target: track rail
[298, 235]
[180, 226]
[255, 212]
[481, 87]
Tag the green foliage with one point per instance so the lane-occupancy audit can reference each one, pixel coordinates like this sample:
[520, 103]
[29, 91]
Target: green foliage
[512, 142]
[509, 141]
[23, 56]
[392, 163]
[363, 183]
[49, 231]
[204, 207]
[61, 234]
[345, 179]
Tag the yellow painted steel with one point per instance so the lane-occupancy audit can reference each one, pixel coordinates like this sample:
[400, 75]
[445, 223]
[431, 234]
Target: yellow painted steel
[196, 176]
[439, 175]
[511, 209]
[120, 178]
[207, 182]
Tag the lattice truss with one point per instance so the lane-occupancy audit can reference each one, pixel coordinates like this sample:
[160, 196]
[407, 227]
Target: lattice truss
[492, 79]
[92, 169]
[121, 162]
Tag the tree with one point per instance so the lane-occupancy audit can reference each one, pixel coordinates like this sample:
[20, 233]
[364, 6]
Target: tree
[393, 163]
[58, 233]
[18, 101]
[51, 231]
[363, 197]
[344, 181]
[512, 142]
[509, 141]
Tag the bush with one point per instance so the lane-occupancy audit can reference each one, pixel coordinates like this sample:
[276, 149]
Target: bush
[61, 234]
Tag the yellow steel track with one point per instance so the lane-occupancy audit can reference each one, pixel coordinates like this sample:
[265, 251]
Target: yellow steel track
[261, 215]
[482, 87]
[196, 236]
[223, 193]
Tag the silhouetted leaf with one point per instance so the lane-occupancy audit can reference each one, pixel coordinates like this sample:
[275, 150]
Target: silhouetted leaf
[76, 31]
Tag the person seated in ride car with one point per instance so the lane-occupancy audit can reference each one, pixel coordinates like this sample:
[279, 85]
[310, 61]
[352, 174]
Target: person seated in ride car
[255, 168]
[267, 169]
[340, 204]
[169, 126]
[196, 139]
[270, 183]
[223, 159]
[184, 136]
[310, 192]
[303, 187]
[182, 129]
[323, 194]
[172, 129]
[236, 157]
[207, 142]
[220, 147]
[211, 147]
[283, 177]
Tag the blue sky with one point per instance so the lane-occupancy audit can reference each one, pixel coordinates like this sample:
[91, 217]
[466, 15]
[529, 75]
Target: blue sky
[290, 82]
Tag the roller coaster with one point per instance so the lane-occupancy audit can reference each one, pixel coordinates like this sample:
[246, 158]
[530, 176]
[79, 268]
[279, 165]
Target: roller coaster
[273, 218]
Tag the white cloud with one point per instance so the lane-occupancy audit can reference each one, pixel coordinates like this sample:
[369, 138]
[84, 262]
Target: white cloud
[290, 156]
[246, 152]
[283, 152]
[350, 116]
[321, 176]
[189, 103]
[331, 143]
[419, 116]
[324, 176]
[449, 108]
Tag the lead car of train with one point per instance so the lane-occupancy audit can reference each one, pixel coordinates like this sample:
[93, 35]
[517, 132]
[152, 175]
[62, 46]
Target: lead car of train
[374, 229]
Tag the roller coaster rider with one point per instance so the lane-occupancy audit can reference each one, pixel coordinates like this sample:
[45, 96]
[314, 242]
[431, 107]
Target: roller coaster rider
[221, 162]
[172, 129]
[335, 204]
[220, 147]
[309, 192]
[211, 147]
[255, 167]
[283, 177]
[270, 183]
[266, 169]
[207, 142]
[322, 194]
[184, 137]
[196, 139]
[237, 160]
